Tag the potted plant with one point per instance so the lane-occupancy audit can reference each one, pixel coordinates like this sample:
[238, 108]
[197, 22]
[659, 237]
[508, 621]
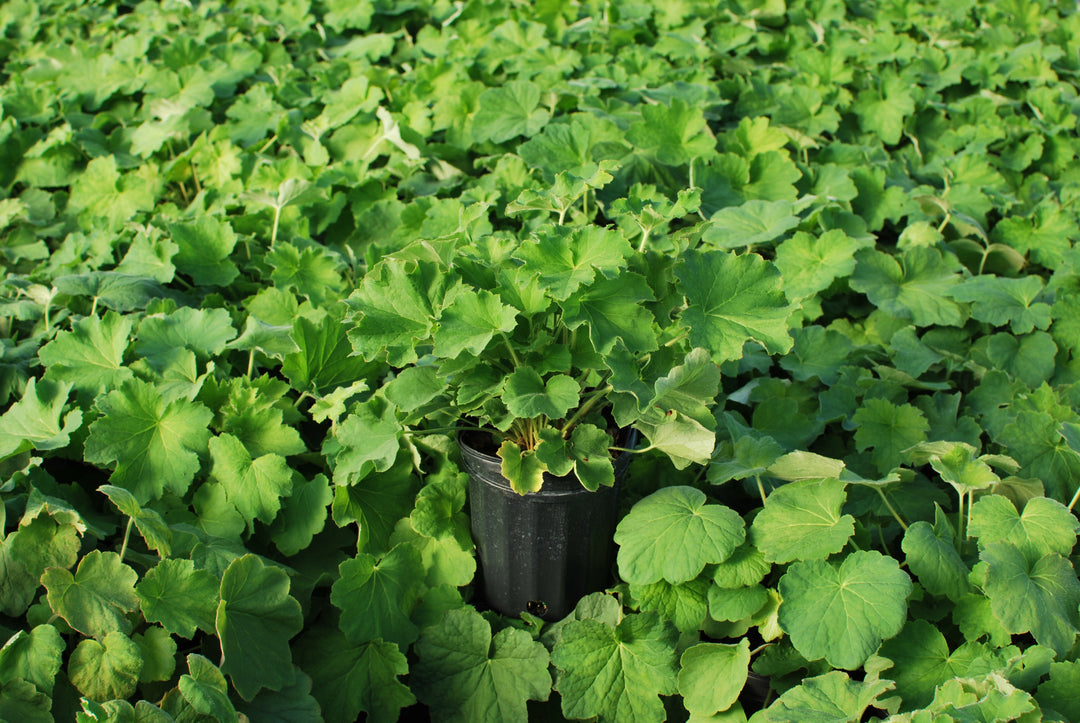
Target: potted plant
[545, 351]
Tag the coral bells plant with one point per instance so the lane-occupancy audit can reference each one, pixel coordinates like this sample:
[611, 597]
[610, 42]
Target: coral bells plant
[555, 342]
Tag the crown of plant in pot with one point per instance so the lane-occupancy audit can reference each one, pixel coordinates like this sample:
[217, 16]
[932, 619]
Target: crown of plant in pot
[556, 341]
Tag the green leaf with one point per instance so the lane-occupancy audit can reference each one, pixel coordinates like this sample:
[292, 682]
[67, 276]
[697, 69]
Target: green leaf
[34, 421]
[922, 661]
[313, 272]
[447, 563]
[1044, 235]
[323, 361]
[106, 669]
[509, 111]
[842, 613]
[292, 704]
[158, 651]
[397, 304]
[527, 395]
[522, 468]
[463, 673]
[113, 290]
[153, 528]
[732, 300]
[801, 465]
[203, 331]
[254, 114]
[988, 697]
[149, 257]
[97, 598]
[828, 698]
[304, 516]
[205, 690]
[917, 285]
[1035, 441]
[749, 224]
[1041, 597]
[810, 264]
[155, 445]
[932, 556]
[204, 249]
[368, 440]
[612, 310]
[440, 505]
[736, 603]
[1061, 692]
[818, 352]
[91, 355]
[749, 456]
[746, 566]
[376, 595]
[560, 147]
[1045, 527]
[179, 597]
[802, 521]
[567, 258]
[255, 619]
[957, 465]
[685, 605]
[974, 616]
[29, 551]
[376, 503]
[616, 673]
[21, 701]
[888, 429]
[683, 439]
[712, 675]
[273, 341]
[999, 301]
[469, 322]
[254, 486]
[353, 679]
[675, 518]
[1029, 358]
[674, 134]
[882, 111]
[33, 656]
[101, 192]
[588, 449]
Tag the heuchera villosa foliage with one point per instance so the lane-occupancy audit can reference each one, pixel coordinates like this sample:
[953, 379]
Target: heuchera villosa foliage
[260, 259]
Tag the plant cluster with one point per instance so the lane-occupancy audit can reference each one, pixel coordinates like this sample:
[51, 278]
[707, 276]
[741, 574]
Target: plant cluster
[261, 258]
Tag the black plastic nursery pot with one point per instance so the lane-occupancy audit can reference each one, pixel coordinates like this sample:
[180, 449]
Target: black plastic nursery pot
[540, 552]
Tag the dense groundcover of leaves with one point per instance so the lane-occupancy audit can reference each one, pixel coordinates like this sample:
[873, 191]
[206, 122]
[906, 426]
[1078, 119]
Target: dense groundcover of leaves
[207, 514]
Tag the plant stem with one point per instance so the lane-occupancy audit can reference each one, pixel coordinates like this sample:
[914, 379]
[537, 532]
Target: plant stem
[510, 348]
[960, 532]
[1074, 499]
[273, 231]
[636, 450]
[676, 340]
[595, 396]
[644, 238]
[127, 536]
[892, 509]
[760, 488]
